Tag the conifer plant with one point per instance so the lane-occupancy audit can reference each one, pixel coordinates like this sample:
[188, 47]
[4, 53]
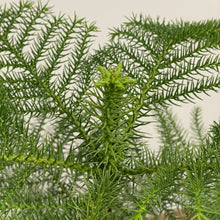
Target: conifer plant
[72, 144]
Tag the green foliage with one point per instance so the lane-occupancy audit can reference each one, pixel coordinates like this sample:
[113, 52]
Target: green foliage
[71, 145]
[114, 78]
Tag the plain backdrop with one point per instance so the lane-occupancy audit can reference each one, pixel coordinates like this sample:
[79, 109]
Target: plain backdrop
[111, 13]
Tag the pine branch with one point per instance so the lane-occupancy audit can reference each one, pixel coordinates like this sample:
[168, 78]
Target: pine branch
[167, 60]
[95, 164]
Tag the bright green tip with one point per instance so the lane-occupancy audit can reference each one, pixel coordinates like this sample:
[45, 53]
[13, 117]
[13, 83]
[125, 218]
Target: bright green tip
[114, 78]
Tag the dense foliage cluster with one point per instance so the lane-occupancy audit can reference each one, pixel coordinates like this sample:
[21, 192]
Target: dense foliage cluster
[71, 145]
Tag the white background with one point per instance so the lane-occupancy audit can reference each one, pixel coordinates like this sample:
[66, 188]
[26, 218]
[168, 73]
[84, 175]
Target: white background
[111, 13]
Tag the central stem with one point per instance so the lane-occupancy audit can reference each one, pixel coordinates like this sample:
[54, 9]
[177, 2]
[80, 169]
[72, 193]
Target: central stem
[113, 115]
[112, 123]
